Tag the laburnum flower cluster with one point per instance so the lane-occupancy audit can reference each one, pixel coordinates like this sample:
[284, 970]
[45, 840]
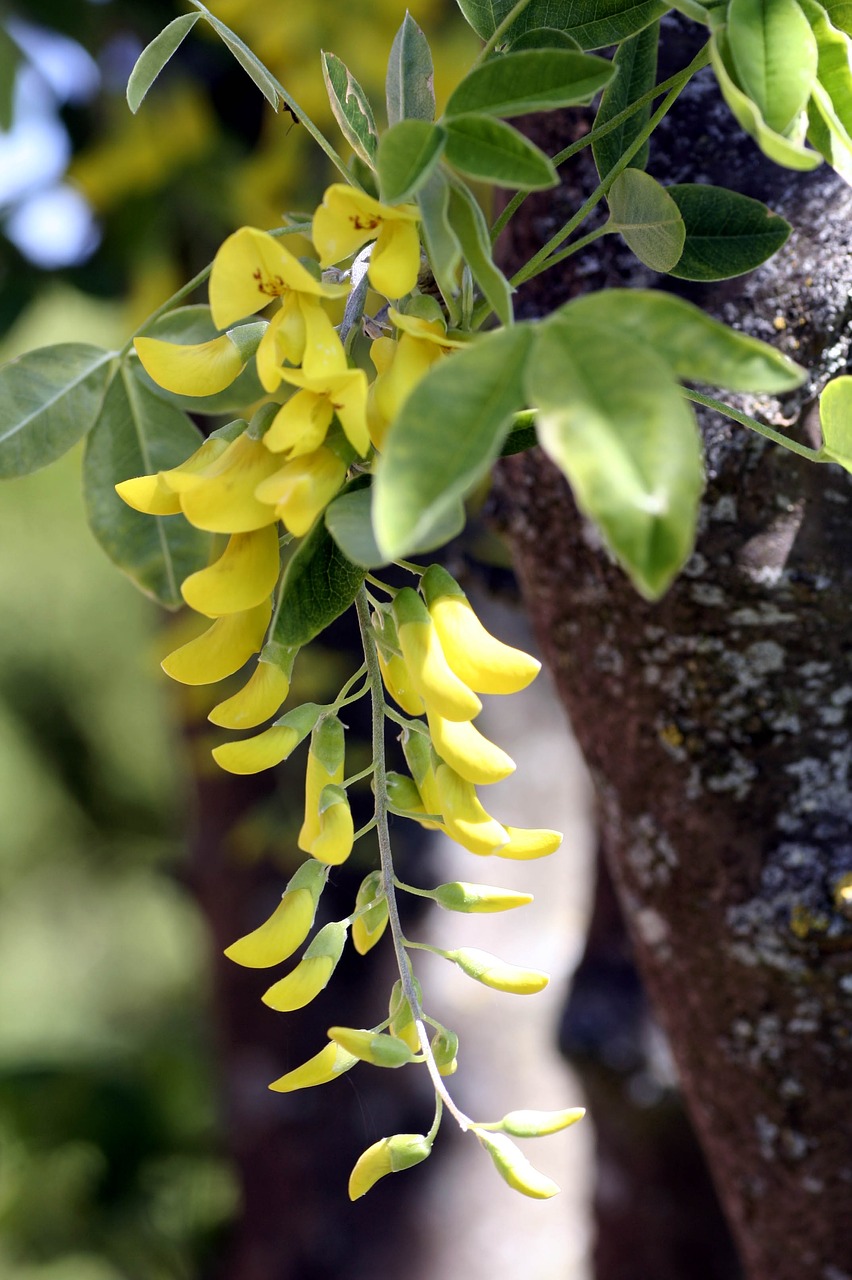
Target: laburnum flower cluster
[435, 658]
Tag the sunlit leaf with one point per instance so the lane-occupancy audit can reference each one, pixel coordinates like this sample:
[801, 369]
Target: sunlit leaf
[531, 80]
[774, 53]
[409, 86]
[648, 219]
[492, 151]
[835, 415]
[469, 224]
[592, 23]
[154, 57]
[442, 245]
[727, 234]
[408, 153]
[248, 60]
[351, 108]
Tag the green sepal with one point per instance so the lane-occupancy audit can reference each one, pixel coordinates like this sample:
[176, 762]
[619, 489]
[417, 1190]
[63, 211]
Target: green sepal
[328, 743]
[330, 941]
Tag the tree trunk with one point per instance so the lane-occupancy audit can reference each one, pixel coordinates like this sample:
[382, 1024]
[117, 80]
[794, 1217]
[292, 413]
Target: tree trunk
[715, 721]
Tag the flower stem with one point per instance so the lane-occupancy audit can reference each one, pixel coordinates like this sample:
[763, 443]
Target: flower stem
[745, 420]
[386, 856]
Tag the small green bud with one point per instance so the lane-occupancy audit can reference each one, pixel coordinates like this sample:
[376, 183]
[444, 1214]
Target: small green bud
[478, 898]
[515, 1169]
[368, 928]
[537, 1124]
[445, 1046]
[372, 1046]
[401, 1017]
[403, 793]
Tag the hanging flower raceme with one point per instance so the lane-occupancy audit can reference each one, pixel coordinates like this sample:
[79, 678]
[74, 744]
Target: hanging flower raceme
[347, 219]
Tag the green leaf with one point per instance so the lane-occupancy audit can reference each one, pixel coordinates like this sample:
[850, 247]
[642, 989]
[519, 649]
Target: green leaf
[784, 151]
[635, 65]
[49, 399]
[533, 80]
[319, 584]
[830, 108]
[137, 434]
[349, 521]
[351, 108]
[521, 437]
[442, 247]
[543, 38]
[839, 14]
[726, 234]
[154, 57]
[471, 228]
[614, 421]
[648, 219]
[835, 415]
[696, 347]
[446, 436]
[408, 153]
[409, 86]
[249, 61]
[774, 54]
[195, 324]
[592, 23]
[492, 151]
[10, 60]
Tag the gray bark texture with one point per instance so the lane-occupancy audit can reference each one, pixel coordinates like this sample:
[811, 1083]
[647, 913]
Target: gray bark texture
[715, 721]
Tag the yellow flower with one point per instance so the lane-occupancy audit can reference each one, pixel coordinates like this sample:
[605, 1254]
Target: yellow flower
[298, 333]
[252, 268]
[265, 750]
[288, 926]
[302, 488]
[311, 975]
[327, 388]
[347, 219]
[401, 365]
[430, 673]
[193, 369]
[333, 843]
[388, 1155]
[261, 696]
[330, 1062]
[222, 649]
[221, 496]
[465, 820]
[514, 1167]
[491, 971]
[465, 749]
[242, 577]
[368, 927]
[325, 768]
[481, 661]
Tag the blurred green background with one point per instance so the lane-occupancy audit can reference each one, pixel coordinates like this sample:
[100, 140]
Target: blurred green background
[112, 1157]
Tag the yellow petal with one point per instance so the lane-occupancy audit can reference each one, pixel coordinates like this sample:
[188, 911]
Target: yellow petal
[222, 497]
[221, 649]
[491, 971]
[150, 495]
[300, 426]
[478, 658]
[330, 1062]
[465, 820]
[528, 843]
[250, 269]
[397, 681]
[412, 360]
[257, 701]
[327, 748]
[333, 843]
[303, 487]
[324, 353]
[243, 576]
[431, 331]
[283, 340]
[515, 1169]
[431, 676]
[300, 987]
[388, 1155]
[253, 755]
[279, 936]
[466, 750]
[198, 369]
[348, 395]
[395, 261]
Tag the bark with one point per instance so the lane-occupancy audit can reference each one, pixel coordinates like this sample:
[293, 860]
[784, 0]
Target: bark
[715, 721]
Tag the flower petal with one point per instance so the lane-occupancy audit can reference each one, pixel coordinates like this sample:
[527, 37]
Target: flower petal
[303, 488]
[300, 987]
[323, 1067]
[221, 649]
[473, 756]
[222, 497]
[243, 576]
[465, 819]
[196, 369]
[250, 269]
[257, 701]
[253, 755]
[279, 936]
[395, 261]
[300, 425]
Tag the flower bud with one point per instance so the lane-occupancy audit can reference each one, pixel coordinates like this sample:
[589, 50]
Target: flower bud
[445, 1046]
[372, 1046]
[459, 895]
[333, 843]
[388, 1155]
[262, 696]
[368, 928]
[430, 673]
[491, 971]
[330, 1062]
[265, 750]
[289, 924]
[325, 765]
[515, 1169]
[465, 749]
[395, 674]
[465, 820]
[402, 1023]
[403, 794]
[311, 975]
[537, 1124]
[478, 658]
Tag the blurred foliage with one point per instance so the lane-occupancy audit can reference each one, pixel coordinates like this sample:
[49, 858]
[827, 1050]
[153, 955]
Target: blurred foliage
[112, 1162]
